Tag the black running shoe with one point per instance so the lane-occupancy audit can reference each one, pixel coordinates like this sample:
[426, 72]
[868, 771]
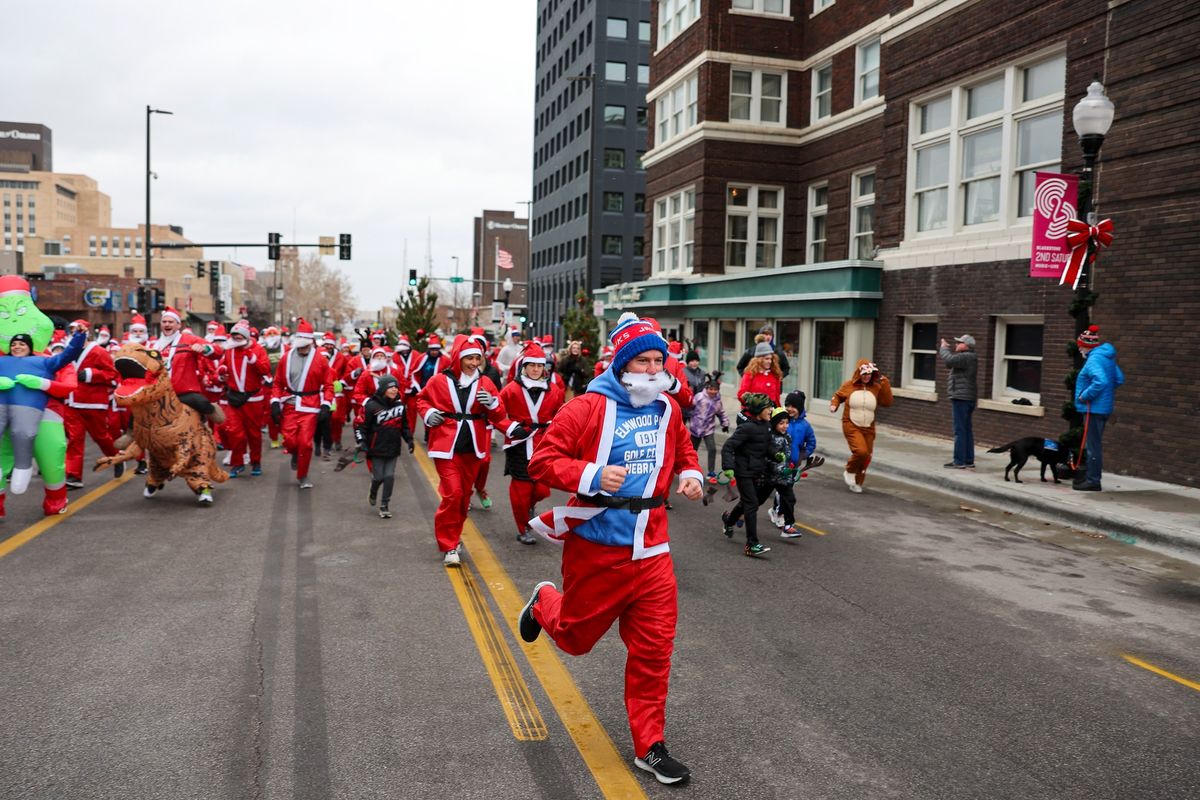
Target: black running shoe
[142, 469]
[371, 496]
[384, 513]
[727, 528]
[118, 469]
[659, 762]
[529, 627]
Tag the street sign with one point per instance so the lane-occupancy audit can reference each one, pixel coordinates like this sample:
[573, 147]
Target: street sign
[598, 308]
[497, 312]
[149, 281]
[327, 245]
[457, 280]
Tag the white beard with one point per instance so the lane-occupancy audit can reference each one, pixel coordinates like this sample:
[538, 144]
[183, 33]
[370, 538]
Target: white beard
[530, 383]
[466, 380]
[140, 338]
[643, 387]
[272, 342]
[103, 339]
[378, 366]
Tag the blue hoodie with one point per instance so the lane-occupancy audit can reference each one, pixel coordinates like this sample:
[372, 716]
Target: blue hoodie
[804, 439]
[1098, 380]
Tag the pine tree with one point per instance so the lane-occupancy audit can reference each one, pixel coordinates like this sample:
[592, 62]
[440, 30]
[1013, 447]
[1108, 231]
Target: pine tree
[580, 324]
[418, 313]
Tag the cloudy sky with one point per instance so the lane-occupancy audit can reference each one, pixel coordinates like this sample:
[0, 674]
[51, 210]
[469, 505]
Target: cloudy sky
[369, 118]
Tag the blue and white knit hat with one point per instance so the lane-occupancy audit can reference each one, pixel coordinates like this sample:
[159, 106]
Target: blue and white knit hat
[631, 338]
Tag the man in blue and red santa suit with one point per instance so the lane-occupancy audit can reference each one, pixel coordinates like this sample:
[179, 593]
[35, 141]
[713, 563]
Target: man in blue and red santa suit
[456, 406]
[617, 448]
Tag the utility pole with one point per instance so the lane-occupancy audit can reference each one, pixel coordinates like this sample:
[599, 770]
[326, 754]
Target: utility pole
[149, 175]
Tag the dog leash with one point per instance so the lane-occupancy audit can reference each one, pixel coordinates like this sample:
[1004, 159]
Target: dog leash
[1083, 441]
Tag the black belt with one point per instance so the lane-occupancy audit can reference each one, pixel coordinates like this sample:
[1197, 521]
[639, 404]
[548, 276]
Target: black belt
[634, 504]
[306, 394]
[465, 416]
[537, 426]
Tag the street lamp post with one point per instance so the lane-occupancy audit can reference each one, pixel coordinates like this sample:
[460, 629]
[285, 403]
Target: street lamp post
[149, 175]
[1092, 117]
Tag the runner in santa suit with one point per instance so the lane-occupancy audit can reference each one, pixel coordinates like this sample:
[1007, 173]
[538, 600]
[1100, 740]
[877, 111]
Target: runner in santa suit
[119, 417]
[87, 407]
[182, 352]
[456, 405]
[424, 367]
[617, 448]
[606, 354]
[368, 382]
[404, 358]
[272, 342]
[214, 381]
[533, 402]
[329, 432]
[247, 371]
[301, 394]
[509, 354]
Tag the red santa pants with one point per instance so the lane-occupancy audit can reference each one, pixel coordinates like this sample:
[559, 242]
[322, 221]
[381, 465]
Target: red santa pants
[456, 478]
[298, 430]
[481, 477]
[243, 428]
[601, 585]
[523, 496]
[80, 422]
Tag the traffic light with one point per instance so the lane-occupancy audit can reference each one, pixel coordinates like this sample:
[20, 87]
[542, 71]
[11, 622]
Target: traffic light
[142, 300]
[522, 319]
[158, 300]
[343, 247]
[412, 277]
[214, 277]
[199, 269]
[220, 308]
[273, 246]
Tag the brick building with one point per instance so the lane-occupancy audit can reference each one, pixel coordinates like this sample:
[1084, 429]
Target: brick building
[860, 174]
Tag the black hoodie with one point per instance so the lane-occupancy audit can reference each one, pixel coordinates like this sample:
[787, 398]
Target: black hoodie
[384, 427]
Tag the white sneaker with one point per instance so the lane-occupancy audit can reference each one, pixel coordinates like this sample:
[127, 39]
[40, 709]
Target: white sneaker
[776, 519]
[19, 480]
[848, 477]
[227, 460]
[854, 487]
[451, 559]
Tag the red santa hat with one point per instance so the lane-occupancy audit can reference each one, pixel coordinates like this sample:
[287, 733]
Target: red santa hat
[81, 324]
[242, 328]
[13, 284]
[170, 313]
[220, 334]
[403, 343]
[104, 329]
[675, 349]
[286, 331]
[137, 321]
[58, 340]
[433, 342]
[463, 346]
[254, 333]
[327, 338]
[270, 330]
[548, 338]
[379, 351]
[1090, 338]
[304, 330]
[212, 326]
[378, 334]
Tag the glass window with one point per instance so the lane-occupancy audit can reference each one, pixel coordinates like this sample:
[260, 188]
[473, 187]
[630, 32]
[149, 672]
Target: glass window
[616, 71]
[614, 158]
[1044, 79]
[829, 336]
[1039, 143]
[643, 73]
[639, 246]
[822, 92]
[617, 28]
[614, 201]
[729, 351]
[862, 216]
[921, 348]
[643, 31]
[614, 115]
[613, 245]
[981, 176]
[740, 94]
[933, 170]
[642, 118]
[986, 98]
[639, 203]
[935, 115]
[675, 16]
[867, 85]
[1018, 358]
[677, 109]
[674, 232]
[754, 223]
[818, 209]
[763, 6]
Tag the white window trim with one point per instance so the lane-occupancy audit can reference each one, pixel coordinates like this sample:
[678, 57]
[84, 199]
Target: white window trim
[668, 16]
[660, 249]
[815, 115]
[858, 71]
[858, 201]
[999, 391]
[665, 104]
[760, 11]
[1013, 112]
[752, 213]
[815, 211]
[907, 381]
[819, 6]
[756, 98]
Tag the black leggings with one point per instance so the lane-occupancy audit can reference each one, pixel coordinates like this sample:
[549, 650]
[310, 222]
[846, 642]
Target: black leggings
[752, 495]
[785, 503]
[383, 472]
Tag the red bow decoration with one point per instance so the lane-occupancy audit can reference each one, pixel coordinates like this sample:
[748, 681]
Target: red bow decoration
[1079, 233]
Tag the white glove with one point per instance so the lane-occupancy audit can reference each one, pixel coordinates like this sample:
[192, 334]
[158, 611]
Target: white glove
[435, 418]
[485, 398]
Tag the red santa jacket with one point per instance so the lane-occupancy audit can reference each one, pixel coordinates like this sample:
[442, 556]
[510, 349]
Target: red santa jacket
[315, 387]
[367, 385]
[533, 416]
[183, 364]
[95, 375]
[64, 382]
[577, 446]
[403, 361]
[245, 368]
[682, 392]
[417, 365]
[440, 395]
[337, 364]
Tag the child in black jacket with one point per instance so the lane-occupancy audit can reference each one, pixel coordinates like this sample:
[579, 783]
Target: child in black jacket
[384, 427]
[745, 458]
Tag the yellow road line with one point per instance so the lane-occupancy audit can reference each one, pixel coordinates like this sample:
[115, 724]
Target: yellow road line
[1137, 662]
[810, 530]
[38, 528]
[610, 770]
[523, 715]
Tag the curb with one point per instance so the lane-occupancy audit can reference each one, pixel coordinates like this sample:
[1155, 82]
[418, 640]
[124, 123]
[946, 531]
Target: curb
[1097, 522]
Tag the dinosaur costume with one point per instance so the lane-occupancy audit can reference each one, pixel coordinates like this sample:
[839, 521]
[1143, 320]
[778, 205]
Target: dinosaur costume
[173, 435]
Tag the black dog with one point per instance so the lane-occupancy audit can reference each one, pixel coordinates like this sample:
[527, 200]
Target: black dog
[1020, 451]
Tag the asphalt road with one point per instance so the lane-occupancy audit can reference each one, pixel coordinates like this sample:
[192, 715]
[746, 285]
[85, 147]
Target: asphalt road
[288, 644]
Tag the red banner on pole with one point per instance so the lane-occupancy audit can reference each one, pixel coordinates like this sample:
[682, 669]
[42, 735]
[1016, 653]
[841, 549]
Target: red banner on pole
[1054, 204]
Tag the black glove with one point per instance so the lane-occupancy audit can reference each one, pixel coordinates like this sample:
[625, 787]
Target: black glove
[277, 412]
[358, 437]
[724, 429]
[323, 414]
[411, 447]
[520, 433]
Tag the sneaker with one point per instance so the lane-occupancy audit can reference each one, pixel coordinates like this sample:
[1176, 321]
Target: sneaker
[384, 513]
[451, 559]
[526, 537]
[236, 472]
[776, 517]
[150, 491]
[275, 444]
[954, 465]
[142, 469]
[305, 483]
[527, 626]
[205, 498]
[326, 456]
[74, 482]
[712, 477]
[256, 470]
[118, 469]
[659, 762]
[848, 477]
[969, 466]
[1086, 486]
[485, 502]
[854, 487]
[790, 532]
[727, 529]
[756, 549]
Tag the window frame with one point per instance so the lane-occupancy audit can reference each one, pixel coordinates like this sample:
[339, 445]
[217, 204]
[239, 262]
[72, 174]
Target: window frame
[907, 379]
[815, 110]
[859, 74]
[1007, 119]
[1000, 391]
[753, 211]
[671, 19]
[758, 7]
[666, 115]
[757, 98]
[669, 232]
[813, 211]
[608, 34]
[858, 201]
[624, 71]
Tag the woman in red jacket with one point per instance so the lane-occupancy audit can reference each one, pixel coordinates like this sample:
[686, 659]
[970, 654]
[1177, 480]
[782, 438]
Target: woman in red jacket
[762, 374]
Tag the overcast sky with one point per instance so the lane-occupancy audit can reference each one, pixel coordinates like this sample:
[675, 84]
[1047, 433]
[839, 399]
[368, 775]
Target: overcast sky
[368, 118]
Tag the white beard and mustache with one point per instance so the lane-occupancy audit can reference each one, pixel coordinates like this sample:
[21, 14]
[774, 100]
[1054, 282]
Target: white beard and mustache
[644, 387]
[272, 342]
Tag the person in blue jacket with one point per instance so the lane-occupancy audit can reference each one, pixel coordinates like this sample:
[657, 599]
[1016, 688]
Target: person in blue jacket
[24, 378]
[1095, 386]
[804, 444]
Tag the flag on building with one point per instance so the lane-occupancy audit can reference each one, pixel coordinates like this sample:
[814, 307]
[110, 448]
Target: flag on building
[504, 259]
[249, 273]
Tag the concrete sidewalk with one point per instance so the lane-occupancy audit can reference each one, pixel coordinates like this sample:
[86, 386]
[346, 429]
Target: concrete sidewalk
[1131, 509]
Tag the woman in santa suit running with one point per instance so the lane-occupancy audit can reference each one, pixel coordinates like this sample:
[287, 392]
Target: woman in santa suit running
[532, 401]
[617, 448]
[456, 406]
